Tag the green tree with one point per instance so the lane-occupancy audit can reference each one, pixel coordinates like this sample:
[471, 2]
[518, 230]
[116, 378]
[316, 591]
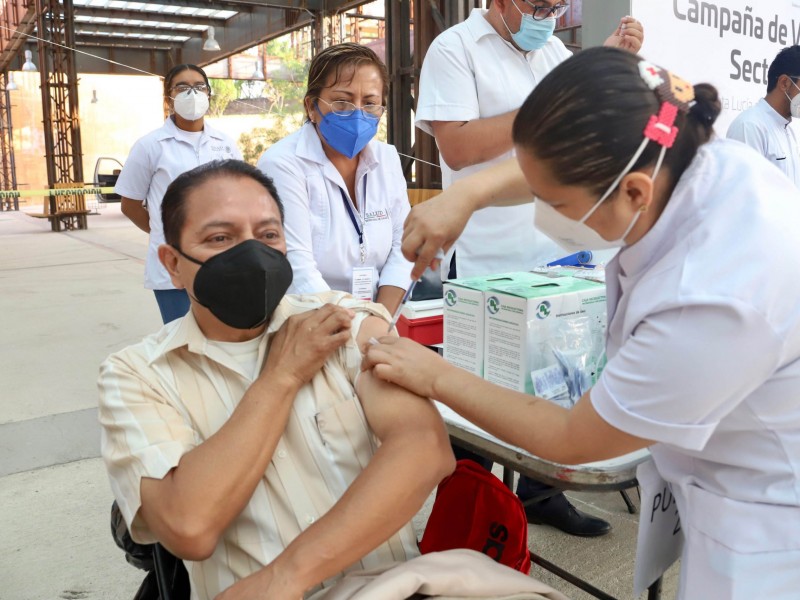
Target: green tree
[286, 87]
[254, 143]
[223, 91]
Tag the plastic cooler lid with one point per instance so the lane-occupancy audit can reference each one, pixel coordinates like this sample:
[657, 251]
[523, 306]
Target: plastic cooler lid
[423, 308]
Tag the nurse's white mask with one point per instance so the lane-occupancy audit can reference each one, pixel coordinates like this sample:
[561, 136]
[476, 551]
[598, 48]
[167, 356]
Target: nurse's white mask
[574, 235]
[191, 104]
[794, 103]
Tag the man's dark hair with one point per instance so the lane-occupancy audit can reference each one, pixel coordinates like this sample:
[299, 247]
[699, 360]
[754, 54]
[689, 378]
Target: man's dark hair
[173, 206]
[786, 63]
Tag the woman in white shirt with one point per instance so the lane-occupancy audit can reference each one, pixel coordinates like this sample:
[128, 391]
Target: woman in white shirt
[704, 324]
[182, 143]
[344, 193]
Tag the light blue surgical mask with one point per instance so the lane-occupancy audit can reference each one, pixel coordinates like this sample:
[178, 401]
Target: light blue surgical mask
[532, 34]
[348, 134]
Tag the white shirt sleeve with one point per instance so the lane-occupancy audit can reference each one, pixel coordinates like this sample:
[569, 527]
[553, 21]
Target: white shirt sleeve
[447, 90]
[396, 270]
[137, 173]
[290, 183]
[684, 369]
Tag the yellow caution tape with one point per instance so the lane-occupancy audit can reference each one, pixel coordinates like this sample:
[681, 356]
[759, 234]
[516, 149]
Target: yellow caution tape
[5, 194]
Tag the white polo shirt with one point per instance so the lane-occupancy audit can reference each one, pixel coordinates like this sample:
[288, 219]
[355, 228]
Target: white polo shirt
[153, 163]
[762, 128]
[321, 238]
[704, 358]
[470, 72]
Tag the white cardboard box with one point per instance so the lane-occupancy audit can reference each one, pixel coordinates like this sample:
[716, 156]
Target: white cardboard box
[464, 320]
[526, 318]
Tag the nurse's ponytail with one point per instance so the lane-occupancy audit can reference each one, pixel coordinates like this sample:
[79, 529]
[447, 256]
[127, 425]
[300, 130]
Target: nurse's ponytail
[587, 118]
[697, 129]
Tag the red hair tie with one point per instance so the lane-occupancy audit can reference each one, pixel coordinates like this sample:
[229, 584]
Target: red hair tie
[661, 128]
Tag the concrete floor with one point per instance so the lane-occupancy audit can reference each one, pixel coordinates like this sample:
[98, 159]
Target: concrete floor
[66, 301]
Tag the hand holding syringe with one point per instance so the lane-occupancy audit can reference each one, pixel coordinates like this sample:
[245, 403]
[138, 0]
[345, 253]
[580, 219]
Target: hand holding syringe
[406, 296]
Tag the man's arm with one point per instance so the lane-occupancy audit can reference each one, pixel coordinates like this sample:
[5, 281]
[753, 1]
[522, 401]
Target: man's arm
[136, 212]
[194, 503]
[463, 144]
[414, 456]
[535, 424]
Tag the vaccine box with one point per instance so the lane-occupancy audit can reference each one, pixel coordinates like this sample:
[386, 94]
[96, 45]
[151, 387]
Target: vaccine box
[421, 321]
[535, 325]
[464, 319]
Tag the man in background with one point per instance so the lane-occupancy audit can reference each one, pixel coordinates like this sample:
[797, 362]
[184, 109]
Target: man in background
[766, 126]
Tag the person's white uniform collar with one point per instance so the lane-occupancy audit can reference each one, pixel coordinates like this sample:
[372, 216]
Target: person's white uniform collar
[773, 114]
[477, 24]
[639, 256]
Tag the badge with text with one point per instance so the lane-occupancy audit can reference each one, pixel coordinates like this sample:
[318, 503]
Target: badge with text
[363, 283]
[660, 539]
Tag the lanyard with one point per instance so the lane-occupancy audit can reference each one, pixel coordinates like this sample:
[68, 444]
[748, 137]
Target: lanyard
[355, 221]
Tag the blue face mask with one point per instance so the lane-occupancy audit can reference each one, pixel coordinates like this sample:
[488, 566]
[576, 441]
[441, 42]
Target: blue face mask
[348, 135]
[532, 34]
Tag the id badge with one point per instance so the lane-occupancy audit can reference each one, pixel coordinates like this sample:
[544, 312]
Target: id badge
[363, 282]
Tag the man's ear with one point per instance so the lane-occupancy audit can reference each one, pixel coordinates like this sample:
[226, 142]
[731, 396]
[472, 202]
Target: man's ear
[169, 257]
[637, 189]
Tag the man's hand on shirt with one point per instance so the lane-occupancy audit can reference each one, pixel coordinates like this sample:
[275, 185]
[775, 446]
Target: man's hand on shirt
[271, 582]
[305, 341]
[628, 36]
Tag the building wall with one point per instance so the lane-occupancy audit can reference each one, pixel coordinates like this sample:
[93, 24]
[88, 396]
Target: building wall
[127, 107]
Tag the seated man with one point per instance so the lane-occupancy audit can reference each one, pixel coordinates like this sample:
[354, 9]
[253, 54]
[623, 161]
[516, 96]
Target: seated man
[243, 437]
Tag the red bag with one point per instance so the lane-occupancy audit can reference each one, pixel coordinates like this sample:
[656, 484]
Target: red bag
[473, 509]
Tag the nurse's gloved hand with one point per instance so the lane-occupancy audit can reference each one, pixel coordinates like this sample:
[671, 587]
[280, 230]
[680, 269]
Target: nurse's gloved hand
[431, 227]
[405, 363]
[629, 35]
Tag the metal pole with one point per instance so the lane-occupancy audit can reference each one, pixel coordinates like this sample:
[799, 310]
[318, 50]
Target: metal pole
[8, 176]
[11, 149]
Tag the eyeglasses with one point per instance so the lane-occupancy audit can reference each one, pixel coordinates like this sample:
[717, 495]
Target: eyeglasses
[185, 87]
[540, 13]
[345, 109]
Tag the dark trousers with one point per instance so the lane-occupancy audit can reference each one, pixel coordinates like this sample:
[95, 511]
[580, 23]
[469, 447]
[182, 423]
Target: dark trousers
[172, 304]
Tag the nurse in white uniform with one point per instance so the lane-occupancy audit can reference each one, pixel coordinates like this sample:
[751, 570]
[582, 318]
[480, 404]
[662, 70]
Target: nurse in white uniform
[704, 319]
[182, 143]
[343, 192]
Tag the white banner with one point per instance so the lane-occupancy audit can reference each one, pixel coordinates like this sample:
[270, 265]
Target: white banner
[728, 43]
[660, 539]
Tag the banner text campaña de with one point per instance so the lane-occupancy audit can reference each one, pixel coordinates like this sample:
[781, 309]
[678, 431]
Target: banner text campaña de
[744, 23]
